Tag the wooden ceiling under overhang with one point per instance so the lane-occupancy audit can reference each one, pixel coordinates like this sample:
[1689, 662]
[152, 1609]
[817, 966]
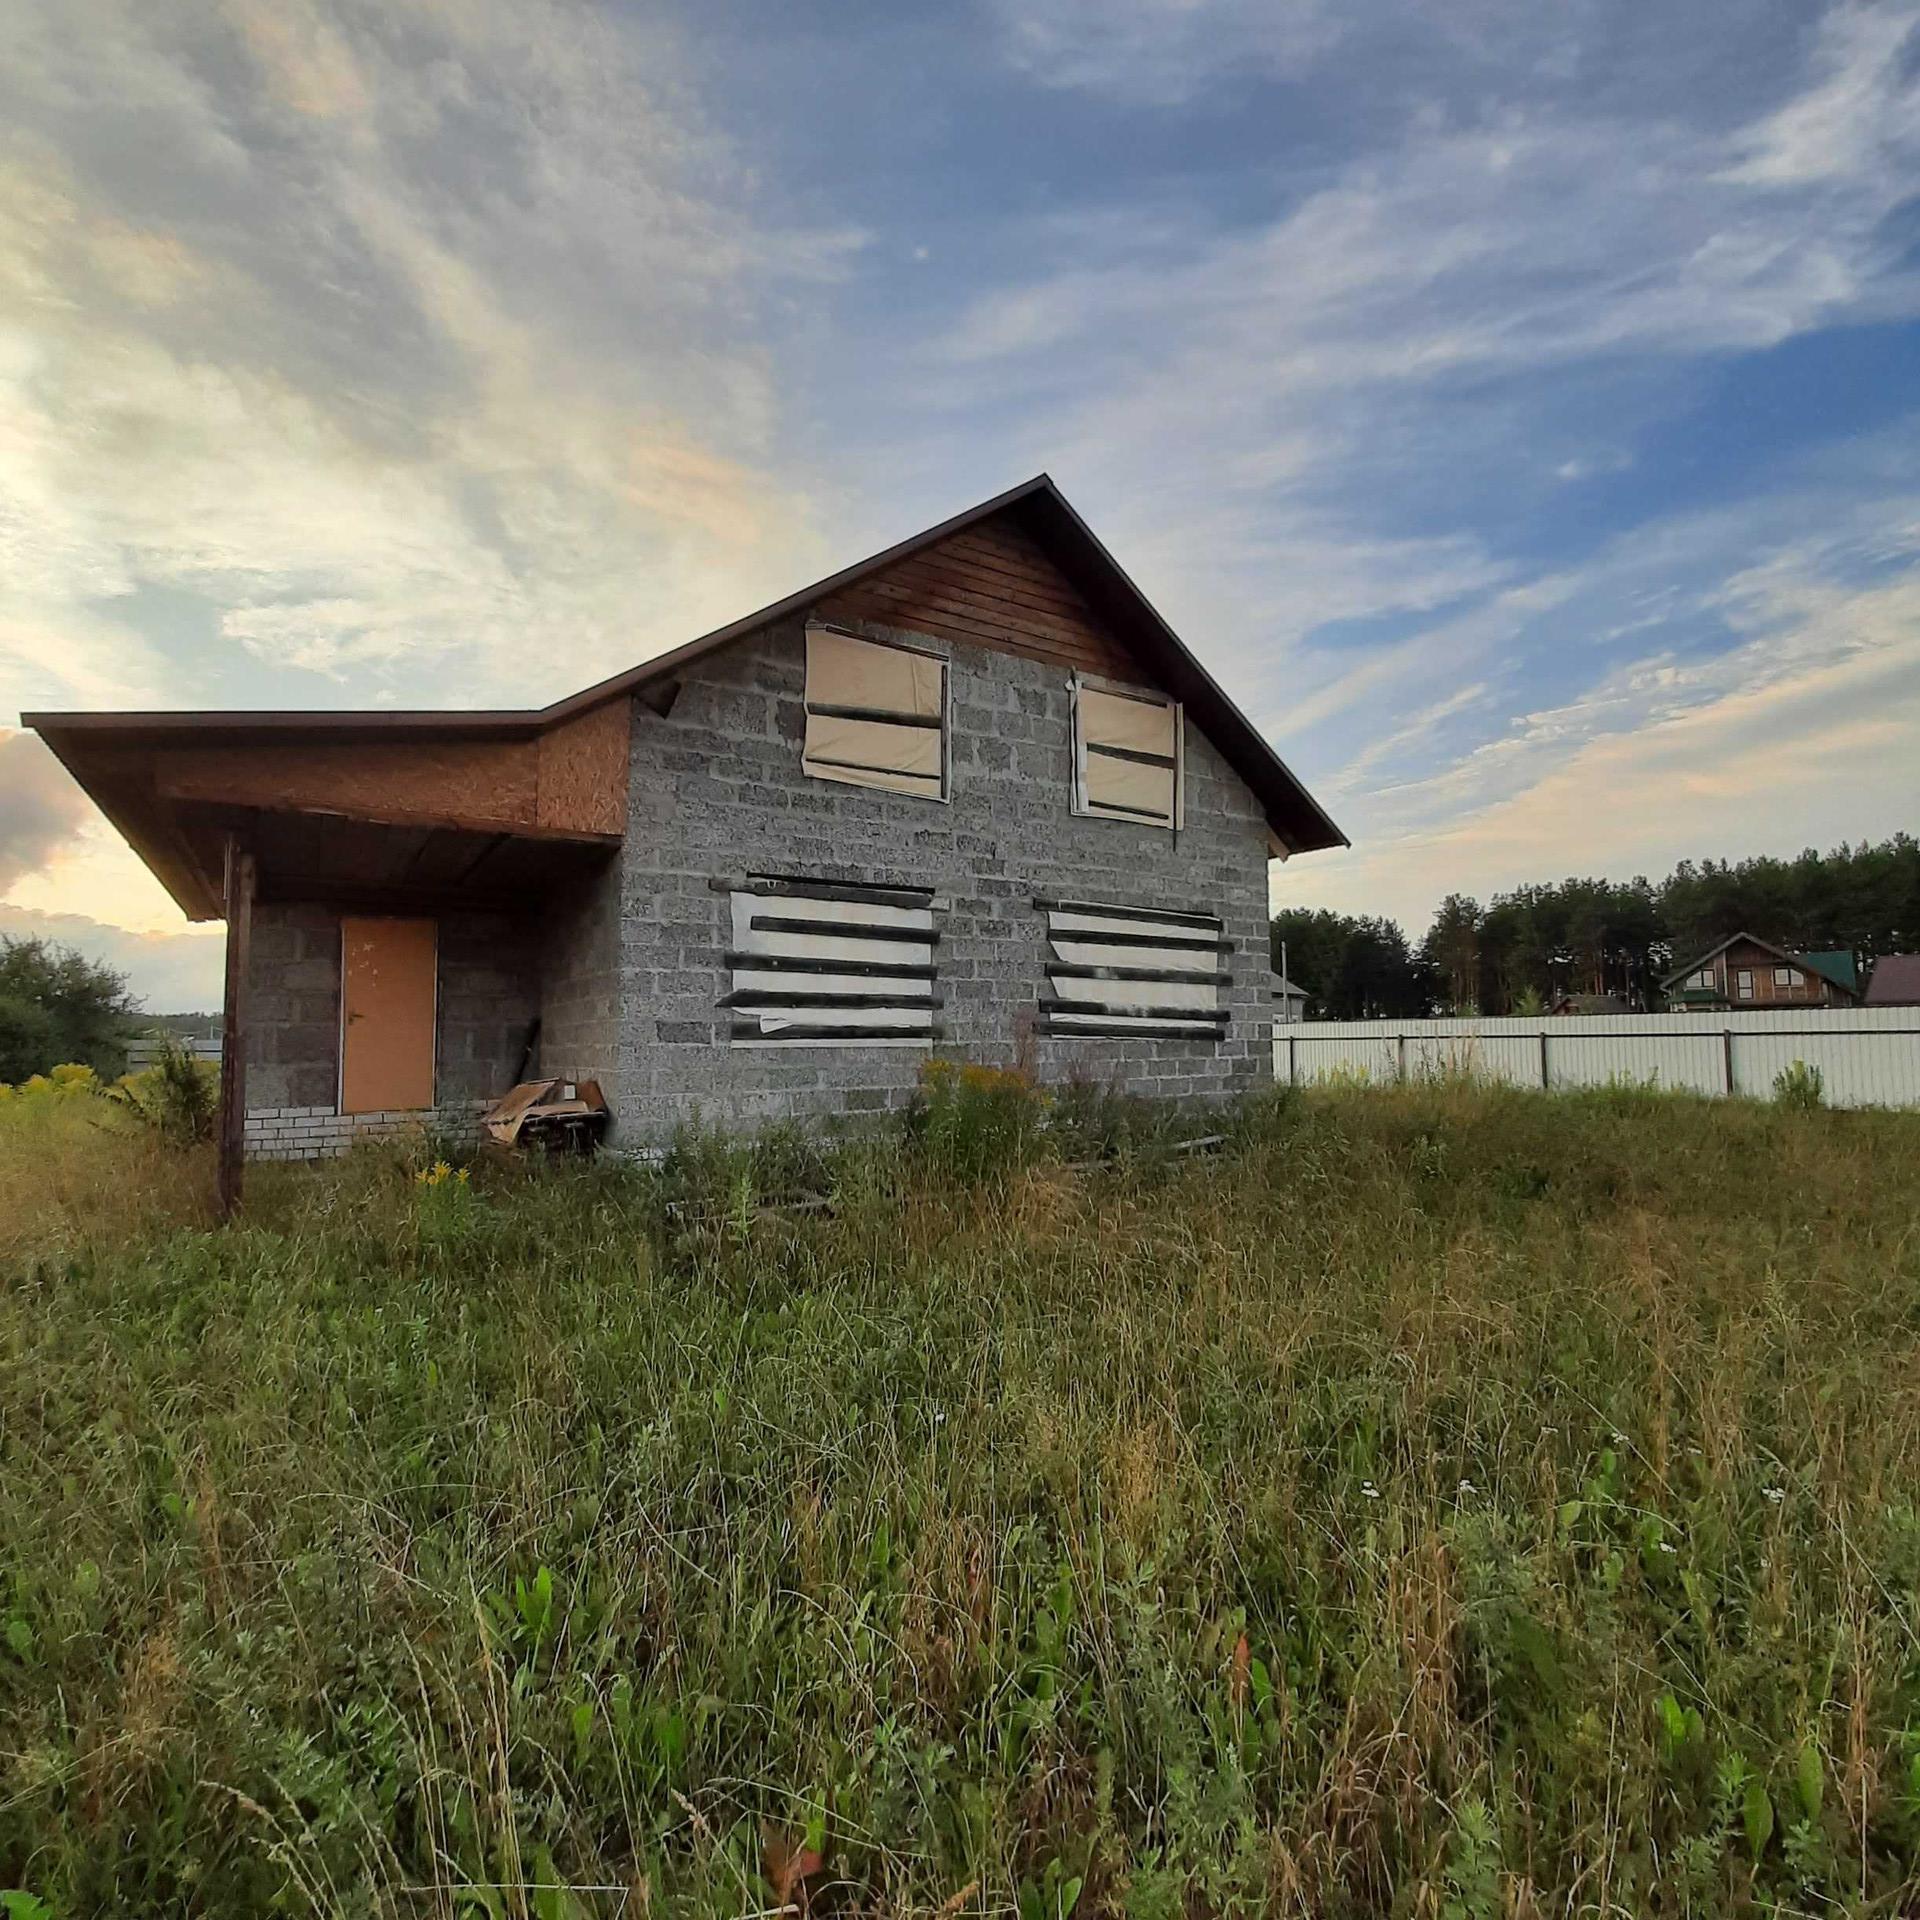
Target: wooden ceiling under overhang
[409, 812]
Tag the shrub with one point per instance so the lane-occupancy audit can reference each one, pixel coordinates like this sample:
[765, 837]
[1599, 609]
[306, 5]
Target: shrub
[1092, 1120]
[1799, 1088]
[178, 1095]
[445, 1210]
[972, 1122]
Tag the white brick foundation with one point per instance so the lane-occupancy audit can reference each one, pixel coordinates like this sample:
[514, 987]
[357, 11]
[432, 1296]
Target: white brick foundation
[319, 1133]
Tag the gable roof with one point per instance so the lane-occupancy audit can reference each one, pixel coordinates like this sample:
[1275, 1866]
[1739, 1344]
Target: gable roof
[1043, 510]
[1836, 964]
[1831, 971]
[1296, 818]
[1894, 981]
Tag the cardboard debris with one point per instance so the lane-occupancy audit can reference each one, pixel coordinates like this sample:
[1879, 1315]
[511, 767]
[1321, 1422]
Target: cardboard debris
[551, 1113]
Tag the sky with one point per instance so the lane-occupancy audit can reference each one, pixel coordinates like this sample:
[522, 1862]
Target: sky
[1516, 407]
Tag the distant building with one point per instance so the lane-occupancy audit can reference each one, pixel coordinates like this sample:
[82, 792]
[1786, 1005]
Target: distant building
[1289, 1001]
[1747, 973]
[1589, 1003]
[1894, 981]
[145, 1048]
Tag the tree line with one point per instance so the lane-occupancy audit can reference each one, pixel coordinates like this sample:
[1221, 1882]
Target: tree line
[1521, 951]
[57, 1007]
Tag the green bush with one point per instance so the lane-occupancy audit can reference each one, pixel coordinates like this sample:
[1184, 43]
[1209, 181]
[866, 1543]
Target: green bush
[1799, 1087]
[975, 1123]
[178, 1095]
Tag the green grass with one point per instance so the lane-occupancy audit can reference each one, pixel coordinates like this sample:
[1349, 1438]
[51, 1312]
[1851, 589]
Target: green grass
[1440, 1502]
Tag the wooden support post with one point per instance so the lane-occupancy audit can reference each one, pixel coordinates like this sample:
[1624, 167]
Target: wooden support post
[1726, 1057]
[238, 891]
[1546, 1078]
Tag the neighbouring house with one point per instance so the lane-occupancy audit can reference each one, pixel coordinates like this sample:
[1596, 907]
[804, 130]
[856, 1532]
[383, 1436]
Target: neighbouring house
[1289, 1001]
[1568, 1005]
[971, 793]
[1754, 975]
[1894, 981]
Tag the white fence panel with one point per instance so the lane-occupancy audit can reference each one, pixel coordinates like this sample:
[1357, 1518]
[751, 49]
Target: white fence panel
[1868, 1057]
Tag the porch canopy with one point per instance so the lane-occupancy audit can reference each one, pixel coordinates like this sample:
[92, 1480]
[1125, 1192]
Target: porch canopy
[384, 812]
[401, 813]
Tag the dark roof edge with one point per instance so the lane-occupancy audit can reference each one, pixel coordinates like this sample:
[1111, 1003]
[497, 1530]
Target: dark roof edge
[369, 720]
[1280, 792]
[518, 719]
[664, 665]
[1228, 709]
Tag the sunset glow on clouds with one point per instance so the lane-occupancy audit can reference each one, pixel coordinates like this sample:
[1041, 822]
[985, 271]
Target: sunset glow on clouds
[1515, 407]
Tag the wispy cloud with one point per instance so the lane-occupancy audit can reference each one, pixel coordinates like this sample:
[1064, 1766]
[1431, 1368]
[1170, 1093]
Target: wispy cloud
[1799, 731]
[434, 357]
[40, 808]
[1261, 391]
[1161, 52]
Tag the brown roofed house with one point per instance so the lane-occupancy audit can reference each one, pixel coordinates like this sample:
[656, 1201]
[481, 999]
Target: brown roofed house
[1747, 974]
[970, 793]
[1894, 981]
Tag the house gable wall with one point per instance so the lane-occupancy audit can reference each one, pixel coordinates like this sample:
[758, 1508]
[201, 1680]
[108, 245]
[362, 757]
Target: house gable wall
[717, 791]
[993, 587]
[1806, 989]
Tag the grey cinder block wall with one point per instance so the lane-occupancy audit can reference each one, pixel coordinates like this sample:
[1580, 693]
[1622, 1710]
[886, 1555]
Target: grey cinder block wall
[626, 970]
[488, 994]
[717, 790]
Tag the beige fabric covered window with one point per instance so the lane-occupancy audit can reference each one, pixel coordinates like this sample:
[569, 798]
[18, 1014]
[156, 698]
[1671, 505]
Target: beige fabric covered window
[1126, 753]
[876, 715]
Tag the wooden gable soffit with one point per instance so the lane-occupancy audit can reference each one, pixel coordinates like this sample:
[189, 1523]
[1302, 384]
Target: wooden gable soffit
[568, 781]
[992, 585]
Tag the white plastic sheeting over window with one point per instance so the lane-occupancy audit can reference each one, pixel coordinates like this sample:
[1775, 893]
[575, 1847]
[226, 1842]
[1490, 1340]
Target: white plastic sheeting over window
[1133, 970]
[820, 962]
[876, 715]
[1127, 759]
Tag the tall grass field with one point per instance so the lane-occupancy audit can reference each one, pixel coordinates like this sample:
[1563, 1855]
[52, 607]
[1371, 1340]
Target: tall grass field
[1434, 1502]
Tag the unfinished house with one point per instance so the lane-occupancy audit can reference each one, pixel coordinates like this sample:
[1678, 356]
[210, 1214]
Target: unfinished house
[971, 796]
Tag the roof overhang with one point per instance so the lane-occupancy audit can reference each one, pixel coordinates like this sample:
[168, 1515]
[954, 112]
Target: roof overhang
[400, 809]
[174, 783]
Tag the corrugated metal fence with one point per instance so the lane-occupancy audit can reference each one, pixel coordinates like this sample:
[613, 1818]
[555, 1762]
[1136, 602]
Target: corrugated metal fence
[1868, 1057]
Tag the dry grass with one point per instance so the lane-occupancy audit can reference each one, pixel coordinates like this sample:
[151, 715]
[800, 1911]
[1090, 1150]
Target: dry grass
[1442, 1502]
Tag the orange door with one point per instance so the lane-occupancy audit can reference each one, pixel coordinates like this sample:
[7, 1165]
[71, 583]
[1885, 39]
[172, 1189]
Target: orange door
[387, 978]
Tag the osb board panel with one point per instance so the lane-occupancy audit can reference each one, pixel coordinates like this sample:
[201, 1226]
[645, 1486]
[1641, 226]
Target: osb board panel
[389, 978]
[583, 771]
[572, 780]
[991, 586]
[487, 781]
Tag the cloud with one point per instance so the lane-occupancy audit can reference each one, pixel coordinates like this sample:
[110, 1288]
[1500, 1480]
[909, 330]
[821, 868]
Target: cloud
[1863, 114]
[1306, 424]
[1799, 733]
[40, 807]
[1161, 52]
[166, 972]
[432, 360]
